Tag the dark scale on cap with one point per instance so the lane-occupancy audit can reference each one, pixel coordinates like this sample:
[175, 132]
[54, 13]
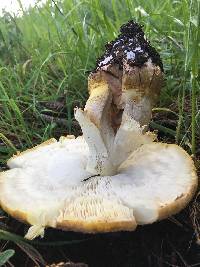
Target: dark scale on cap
[131, 47]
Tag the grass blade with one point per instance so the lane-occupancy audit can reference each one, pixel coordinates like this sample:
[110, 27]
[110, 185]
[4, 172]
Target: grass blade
[5, 256]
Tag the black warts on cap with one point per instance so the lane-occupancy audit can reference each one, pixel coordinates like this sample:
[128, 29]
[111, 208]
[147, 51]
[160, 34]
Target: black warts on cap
[130, 47]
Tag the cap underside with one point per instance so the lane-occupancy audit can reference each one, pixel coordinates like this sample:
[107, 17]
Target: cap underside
[49, 186]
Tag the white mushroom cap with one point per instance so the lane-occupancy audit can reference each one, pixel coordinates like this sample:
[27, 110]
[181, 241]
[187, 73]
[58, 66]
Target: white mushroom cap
[49, 186]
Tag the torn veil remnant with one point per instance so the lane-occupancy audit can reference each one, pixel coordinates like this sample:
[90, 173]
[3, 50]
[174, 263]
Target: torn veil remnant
[114, 177]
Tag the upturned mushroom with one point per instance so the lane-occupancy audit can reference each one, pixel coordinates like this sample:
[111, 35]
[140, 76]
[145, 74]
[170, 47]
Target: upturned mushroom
[115, 176]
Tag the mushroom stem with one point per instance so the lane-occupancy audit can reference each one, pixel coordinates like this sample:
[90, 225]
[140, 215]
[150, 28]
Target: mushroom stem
[104, 146]
[99, 161]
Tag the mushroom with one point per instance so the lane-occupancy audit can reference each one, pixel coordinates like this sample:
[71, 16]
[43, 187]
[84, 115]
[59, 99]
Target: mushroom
[115, 176]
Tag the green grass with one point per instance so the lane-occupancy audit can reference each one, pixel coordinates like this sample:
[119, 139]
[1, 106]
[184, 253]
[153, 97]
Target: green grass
[46, 54]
